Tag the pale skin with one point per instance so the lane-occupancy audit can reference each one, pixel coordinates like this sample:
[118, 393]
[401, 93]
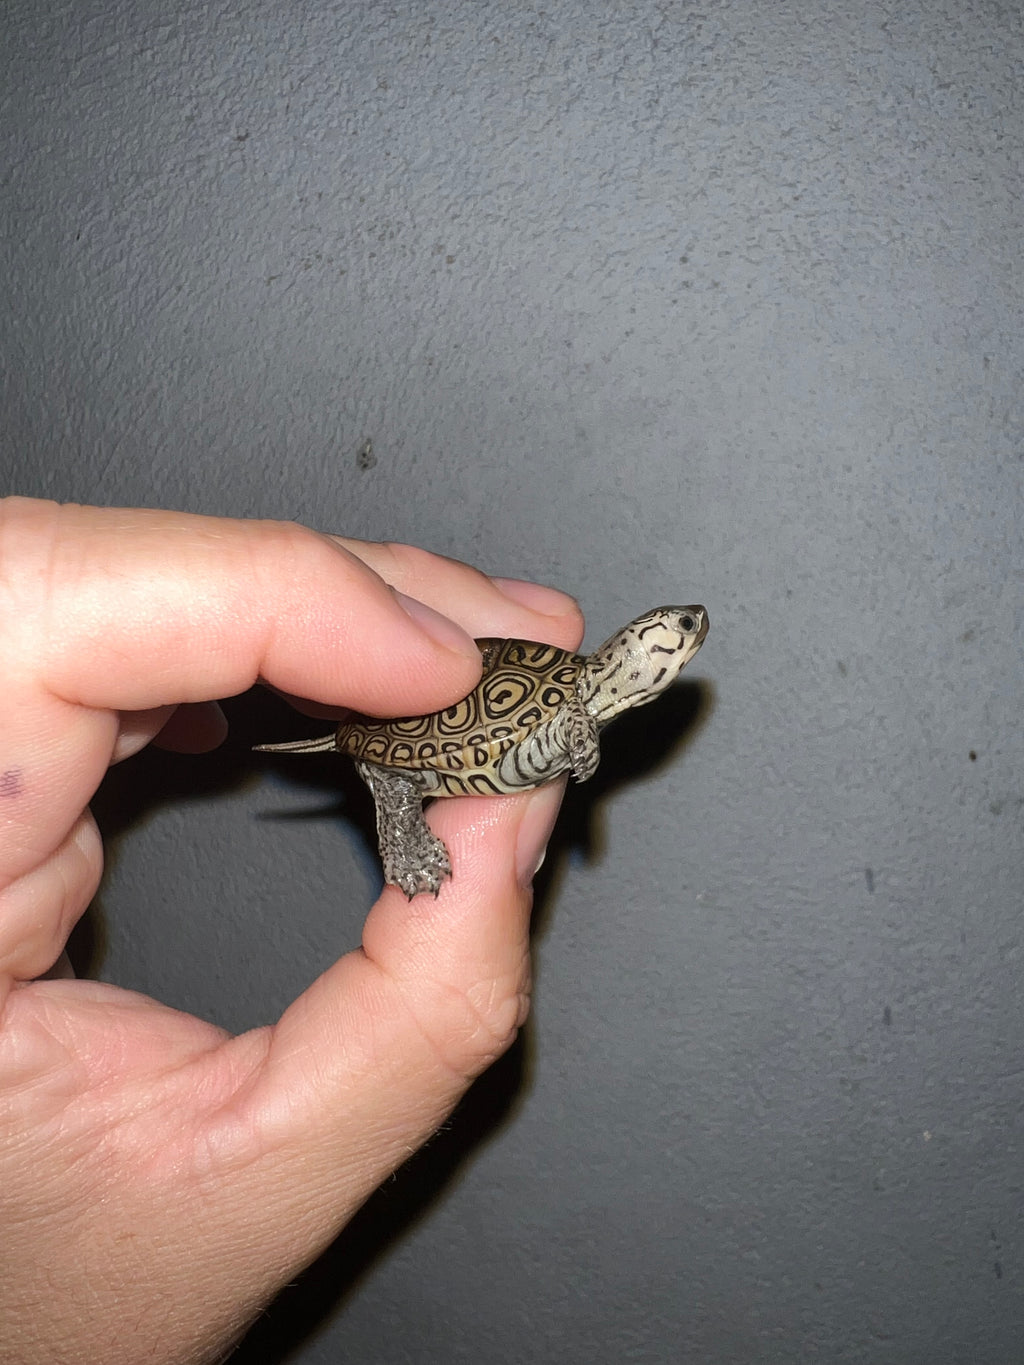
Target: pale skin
[161, 1180]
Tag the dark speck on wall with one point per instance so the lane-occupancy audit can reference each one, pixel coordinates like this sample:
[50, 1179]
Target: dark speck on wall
[973, 755]
[869, 880]
[997, 1265]
[887, 1016]
[365, 458]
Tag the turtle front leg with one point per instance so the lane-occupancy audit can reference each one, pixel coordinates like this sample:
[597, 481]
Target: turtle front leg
[414, 859]
[581, 741]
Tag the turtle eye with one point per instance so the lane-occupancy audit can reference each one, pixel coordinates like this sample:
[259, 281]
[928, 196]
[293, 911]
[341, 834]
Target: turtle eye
[687, 623]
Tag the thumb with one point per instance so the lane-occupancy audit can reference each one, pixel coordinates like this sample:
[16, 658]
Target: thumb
[371, 1059]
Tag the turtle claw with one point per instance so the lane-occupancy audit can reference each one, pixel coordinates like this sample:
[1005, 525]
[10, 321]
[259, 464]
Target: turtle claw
[430, 874]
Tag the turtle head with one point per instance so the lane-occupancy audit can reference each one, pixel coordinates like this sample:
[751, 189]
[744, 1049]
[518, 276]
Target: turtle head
[641, 660]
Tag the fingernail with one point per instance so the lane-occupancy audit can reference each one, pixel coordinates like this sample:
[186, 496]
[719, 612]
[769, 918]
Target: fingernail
[535, 596]
[441, 629]
[535, 830]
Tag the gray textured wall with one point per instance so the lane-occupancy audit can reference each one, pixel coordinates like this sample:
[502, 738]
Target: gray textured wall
[653, 301]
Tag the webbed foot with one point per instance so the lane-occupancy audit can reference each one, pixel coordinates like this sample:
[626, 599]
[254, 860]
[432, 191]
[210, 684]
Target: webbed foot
[414, 857]
[429, 873]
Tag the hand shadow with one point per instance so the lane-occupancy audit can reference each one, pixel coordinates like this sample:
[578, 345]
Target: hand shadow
[640, 743]
[137, 788]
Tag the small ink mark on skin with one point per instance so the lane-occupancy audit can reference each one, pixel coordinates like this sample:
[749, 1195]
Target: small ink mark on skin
[869, 880]
[10, 782]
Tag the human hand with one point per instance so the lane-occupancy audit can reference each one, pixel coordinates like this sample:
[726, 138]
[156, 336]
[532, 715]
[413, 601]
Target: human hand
[160, 1180]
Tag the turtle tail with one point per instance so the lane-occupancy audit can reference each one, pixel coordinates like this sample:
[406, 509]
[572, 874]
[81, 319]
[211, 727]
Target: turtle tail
[324, 745]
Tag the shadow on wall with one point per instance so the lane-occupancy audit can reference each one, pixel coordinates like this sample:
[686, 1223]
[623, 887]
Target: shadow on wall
[137, 789]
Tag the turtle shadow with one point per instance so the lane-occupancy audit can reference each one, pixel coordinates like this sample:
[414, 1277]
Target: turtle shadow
[638, 745]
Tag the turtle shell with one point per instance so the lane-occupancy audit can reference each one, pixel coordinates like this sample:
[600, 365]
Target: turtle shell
[523, 684]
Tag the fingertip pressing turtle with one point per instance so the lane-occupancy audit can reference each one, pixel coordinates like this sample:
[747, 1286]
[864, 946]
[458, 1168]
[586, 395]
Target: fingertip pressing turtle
[536, 713]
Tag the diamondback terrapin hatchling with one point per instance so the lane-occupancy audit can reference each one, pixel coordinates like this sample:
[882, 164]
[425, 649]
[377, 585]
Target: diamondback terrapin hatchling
[536, 712]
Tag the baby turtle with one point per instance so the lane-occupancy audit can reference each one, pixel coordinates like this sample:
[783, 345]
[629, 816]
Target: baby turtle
[536, 712]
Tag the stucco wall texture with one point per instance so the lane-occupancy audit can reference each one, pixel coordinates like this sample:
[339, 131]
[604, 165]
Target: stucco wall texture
[715, 302]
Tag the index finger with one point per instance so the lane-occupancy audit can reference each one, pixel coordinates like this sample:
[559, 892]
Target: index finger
[104, 610]
[128, 609]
